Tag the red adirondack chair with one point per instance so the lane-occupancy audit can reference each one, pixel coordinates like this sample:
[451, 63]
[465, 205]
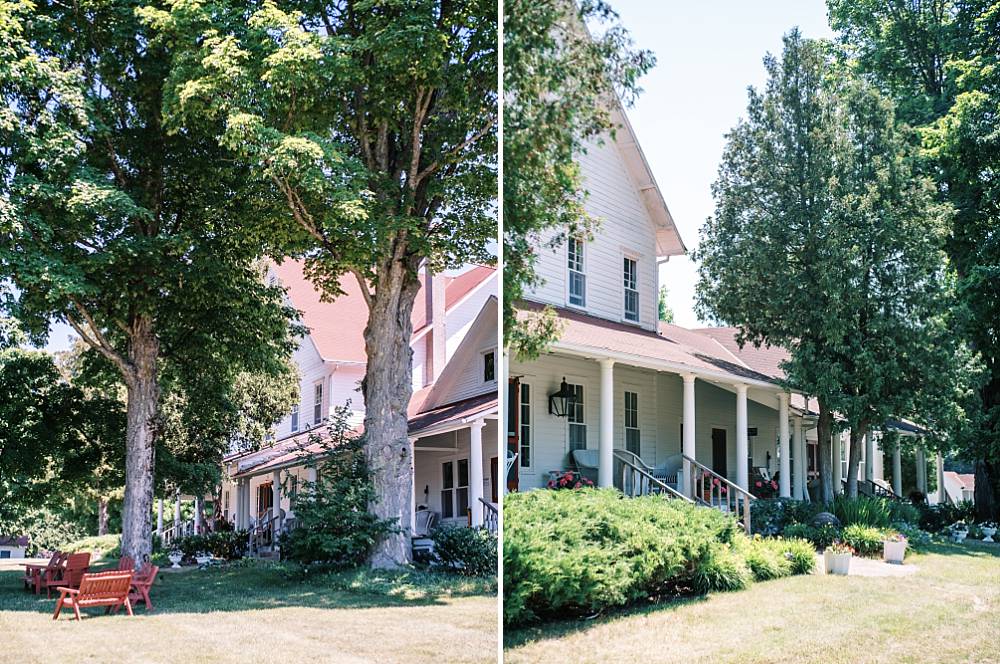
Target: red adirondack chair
[69, 574]
[109, 589]
[33, 573]
[126, 564]
[141, 584]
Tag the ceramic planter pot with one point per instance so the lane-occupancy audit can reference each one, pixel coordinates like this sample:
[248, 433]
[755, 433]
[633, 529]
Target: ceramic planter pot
[988, 534]
[175, 558]
[959, 535]
[837, 563]
[894, 552]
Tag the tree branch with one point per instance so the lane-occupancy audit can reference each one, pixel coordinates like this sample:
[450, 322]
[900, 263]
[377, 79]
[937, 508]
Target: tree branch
[455, 151]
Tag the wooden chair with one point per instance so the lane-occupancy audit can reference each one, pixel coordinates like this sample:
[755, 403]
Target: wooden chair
[126, 564]
[69, 575]
[141, 583]
[108, 589]
[33, 573]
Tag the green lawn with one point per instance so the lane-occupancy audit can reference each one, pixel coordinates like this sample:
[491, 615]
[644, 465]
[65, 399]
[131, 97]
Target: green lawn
[949, 611]
[262, 614]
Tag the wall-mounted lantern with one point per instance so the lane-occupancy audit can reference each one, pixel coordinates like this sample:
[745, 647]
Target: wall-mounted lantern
[559, 401]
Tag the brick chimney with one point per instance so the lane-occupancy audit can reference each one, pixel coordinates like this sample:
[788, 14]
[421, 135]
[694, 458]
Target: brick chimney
[435, 340]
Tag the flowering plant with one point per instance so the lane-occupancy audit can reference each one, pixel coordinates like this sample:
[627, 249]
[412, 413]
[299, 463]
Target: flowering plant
[960, 526]
[570, 480]
[765, 488]
[840, 547]
[894, 537]
[988, 524]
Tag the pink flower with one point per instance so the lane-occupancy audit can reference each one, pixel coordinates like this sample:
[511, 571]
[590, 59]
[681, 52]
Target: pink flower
[759, 484]
[716, 481]
[774, 485]
[577, 485]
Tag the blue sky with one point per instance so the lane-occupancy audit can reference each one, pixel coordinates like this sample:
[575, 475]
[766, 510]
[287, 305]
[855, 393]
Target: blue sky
[707, 52]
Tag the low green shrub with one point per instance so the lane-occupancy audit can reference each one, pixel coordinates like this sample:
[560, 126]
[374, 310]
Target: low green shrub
[865, 540]
[772, 515]
[917, 539]
[766, 559]
[819, 536]
[224, 544]
[99, 546]
[863, 510]
[903, 512]
[569, 553]
[469, 551]
[721, 570]
[800, 554]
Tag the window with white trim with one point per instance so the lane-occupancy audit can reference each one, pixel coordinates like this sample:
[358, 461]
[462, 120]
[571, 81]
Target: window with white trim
[317, 403]
[295, 417]
[524, 439]
[490, 366]
[577, 279]
[632, 436]
[577, 419]
[455, 488]
[630, 278]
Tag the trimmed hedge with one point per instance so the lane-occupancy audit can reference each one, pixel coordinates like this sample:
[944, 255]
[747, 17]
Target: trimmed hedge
[468, 551]
[576, 553]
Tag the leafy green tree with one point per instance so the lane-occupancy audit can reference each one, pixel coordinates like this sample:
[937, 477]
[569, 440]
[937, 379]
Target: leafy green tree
[561, 85]
[666, 314]
[129, 233]
[370, 130]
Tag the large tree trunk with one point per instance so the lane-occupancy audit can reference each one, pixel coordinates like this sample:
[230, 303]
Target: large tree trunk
[102, 516]
[987, 492]
[387, 388]
[824, 428]
[858, 433]
[140, 447]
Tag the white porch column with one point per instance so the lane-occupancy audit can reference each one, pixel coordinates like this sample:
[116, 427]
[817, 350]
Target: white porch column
[870, 456]
[605, 454]
[159, 517]
[476, 471]
[742, 444]
[897, 470]
[801, 464]
[942, 494]
[276, 499]
[921, 463]
[177, 510]
[688, 446]
[838, 468]
[198, 507]
[785, 469]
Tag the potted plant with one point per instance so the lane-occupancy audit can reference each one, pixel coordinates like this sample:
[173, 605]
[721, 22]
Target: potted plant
[202, 558]
[959, 531]
[175, 557]
[989, 529]
[894, 548]
[837, 558]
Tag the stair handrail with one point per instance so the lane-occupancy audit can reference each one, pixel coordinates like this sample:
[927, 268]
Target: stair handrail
[491, 516]
[644, 479]
[736, 499]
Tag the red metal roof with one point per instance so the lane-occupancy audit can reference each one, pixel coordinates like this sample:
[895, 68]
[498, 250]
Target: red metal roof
[337, 326]
[455, 412]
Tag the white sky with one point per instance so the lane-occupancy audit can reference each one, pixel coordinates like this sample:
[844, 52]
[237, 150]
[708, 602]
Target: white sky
[707, 52]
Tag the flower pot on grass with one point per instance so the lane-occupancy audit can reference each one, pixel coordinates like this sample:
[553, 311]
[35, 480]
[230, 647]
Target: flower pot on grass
[989, 530]
[894, 550]
[175, 557]
[837, 559]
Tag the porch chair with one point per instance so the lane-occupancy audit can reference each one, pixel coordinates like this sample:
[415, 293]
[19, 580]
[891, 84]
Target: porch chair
[586, 463]
[423, 522]
[33, 574]
[108, 589]
[68, 575]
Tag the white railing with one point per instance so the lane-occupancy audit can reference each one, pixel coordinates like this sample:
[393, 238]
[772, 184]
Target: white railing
[710, 488]
[637, 480]
[491, 517]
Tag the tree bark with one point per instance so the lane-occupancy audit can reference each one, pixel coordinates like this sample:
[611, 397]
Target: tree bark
[987, 496]
[387, 388]
[858, 433]
[140, 441]
[102, 516]
[824, 427]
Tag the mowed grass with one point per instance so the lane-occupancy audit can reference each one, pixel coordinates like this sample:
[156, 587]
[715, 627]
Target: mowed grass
[263, 614]
[949, 611]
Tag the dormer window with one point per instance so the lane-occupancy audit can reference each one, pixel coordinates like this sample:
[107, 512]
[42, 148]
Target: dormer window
[577, 279]
[489, 366]
[631, 282]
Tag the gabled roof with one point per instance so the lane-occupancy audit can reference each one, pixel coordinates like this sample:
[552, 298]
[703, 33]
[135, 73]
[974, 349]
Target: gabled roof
[460, 411]
[337, 327]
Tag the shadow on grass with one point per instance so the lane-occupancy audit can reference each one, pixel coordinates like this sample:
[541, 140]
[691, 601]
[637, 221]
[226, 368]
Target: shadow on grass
[967, 548]
[517, 637]
[239, 588]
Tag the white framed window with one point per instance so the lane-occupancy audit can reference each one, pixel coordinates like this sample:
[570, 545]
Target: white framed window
[295, 417]
[454, 488]
[317, 403]
[632, 435]
[576, 416]
[630, 282]
[225, 506]
[489, 365]
[577, 278]
[524, 422]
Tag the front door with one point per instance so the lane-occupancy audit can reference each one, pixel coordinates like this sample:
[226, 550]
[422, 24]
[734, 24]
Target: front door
[719, 452]
[494, 478]
[513, 426]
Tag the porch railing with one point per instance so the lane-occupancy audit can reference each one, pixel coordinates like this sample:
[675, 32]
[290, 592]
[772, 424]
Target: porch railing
[710, 488]
[491, 516]
[638, 481]
[872, 488]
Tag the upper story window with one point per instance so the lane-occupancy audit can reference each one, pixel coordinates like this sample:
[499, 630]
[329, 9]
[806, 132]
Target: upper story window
[489, 366]
[295, 417]
[577, 279]
[317, 403]
[630, 276]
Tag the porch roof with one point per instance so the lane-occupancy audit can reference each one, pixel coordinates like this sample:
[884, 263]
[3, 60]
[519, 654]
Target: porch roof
[289, 452]
[454, 413]
[675, 349]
